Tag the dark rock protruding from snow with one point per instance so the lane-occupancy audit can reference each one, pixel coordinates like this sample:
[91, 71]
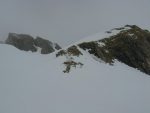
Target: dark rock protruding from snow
[47, 46]
[130, 46]
[57, 47]
[21, 41]
[28, 43]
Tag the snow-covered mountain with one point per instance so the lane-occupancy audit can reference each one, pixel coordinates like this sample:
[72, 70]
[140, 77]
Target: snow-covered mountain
[77, 79]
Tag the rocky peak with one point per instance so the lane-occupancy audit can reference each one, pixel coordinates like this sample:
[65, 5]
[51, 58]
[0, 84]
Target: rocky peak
[131, 45]
[28, 43]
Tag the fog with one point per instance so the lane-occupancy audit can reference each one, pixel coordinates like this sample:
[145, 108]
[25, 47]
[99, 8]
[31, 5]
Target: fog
[67, 21]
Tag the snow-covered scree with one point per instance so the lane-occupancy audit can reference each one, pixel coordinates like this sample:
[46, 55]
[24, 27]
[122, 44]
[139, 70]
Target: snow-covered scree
[34, 83]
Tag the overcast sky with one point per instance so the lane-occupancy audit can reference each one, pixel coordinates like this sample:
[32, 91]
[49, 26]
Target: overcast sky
[66, 21]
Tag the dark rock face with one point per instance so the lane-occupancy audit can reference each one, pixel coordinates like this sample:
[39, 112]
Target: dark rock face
[21, 41]
[131, 47]
[57, 47]
[47, 46]
[93, 48]
[71, 51]
[28, 43]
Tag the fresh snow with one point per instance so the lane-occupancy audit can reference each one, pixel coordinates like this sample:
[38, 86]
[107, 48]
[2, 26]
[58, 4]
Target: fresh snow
[35, 83]
[101, 35]
[101, 44]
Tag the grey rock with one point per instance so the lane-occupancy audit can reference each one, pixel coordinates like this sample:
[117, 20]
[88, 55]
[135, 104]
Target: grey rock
[28, 43]
[57, 47]
[47, 46]
[131, 46]
[21, 41]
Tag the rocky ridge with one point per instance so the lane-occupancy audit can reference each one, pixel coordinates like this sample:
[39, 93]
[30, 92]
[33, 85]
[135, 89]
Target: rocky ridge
[130, 45]
[28, 43]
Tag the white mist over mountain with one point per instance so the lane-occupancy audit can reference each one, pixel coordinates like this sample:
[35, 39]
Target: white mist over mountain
[66, 21]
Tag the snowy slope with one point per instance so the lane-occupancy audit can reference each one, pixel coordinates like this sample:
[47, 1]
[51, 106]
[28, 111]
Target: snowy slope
[34, 83]
[104, 34]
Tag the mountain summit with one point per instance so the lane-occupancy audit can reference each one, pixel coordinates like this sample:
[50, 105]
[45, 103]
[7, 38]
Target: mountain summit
[129, 44]
[98, 74]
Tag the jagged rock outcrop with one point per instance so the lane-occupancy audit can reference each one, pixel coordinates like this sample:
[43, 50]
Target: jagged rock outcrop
[70, 62]
[130, 46]
[47, 46]
[71, 51]
[28, 43]
[56, 46]
[21, 41]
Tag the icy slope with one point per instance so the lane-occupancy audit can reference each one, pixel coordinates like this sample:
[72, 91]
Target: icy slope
[34, 83]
